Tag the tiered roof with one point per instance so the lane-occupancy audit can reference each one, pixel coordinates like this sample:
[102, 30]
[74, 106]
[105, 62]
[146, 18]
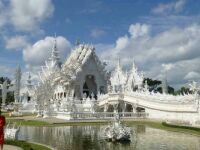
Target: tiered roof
[118, 77]
[52, 65]
[135, 78]
[78, 58]
[131, 80]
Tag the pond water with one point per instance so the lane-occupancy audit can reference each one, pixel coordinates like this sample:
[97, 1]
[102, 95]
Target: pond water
[89, 138]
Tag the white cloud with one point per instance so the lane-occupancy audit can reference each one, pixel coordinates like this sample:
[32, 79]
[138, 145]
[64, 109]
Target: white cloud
[17, 42]
[167, 67]
[25, 15]
[177, 48]
[6, 70]
[97, 33]
[137, 30]
[168, 8]
[40, 51]
[192, 76]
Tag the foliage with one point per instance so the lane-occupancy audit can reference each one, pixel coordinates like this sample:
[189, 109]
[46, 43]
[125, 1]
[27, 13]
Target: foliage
[2, 79]
[153, 84]
[10, 94]
[10, 97]
[26, 145]
[171, 90]
[183, 90]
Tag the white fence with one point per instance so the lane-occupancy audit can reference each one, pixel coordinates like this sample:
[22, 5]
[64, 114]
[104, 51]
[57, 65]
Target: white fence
[104, 115]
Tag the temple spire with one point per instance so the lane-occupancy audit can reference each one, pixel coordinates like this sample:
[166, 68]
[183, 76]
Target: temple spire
[29, 81]
[55, 59]
[134, 68]
[18, 75]
[164, 84]
[118, 64]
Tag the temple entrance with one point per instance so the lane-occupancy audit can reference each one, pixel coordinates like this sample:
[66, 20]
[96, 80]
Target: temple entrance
[28, 98]
[90, 86]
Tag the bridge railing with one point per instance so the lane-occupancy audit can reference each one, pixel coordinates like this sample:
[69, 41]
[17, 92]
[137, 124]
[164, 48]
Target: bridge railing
[108, 115]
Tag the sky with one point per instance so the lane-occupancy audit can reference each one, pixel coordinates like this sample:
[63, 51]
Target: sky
[161, 36]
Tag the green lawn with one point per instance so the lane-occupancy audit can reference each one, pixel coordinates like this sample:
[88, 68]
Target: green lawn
[26, 145]
[43, 123]
[27, 122]
[154, 124]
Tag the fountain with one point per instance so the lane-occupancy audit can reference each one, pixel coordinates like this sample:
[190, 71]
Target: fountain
[116, 131]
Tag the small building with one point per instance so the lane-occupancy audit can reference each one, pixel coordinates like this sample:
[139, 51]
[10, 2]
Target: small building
[27, 92]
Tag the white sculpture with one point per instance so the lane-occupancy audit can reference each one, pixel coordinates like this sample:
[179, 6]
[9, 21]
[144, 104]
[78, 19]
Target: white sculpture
[4, 92]
[123, 82]
[11, 131]
[118, 79]
[17, 84]
[116, 131]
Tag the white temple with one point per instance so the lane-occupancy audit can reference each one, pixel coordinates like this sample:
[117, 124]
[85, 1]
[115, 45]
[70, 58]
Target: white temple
[81, 86]
[27, 92]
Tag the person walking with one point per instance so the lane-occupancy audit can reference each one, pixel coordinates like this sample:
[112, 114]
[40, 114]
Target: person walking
[2, 124]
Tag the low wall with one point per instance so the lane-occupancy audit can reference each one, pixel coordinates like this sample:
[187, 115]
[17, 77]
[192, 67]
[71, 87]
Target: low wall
[192, 118]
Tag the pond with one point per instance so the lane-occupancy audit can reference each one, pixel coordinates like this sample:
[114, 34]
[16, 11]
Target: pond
[89, 138]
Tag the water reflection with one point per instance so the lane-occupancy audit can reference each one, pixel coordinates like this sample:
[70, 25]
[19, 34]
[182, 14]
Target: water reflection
[88, 138]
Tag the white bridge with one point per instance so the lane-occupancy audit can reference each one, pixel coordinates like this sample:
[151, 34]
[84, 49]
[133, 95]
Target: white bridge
[184, 108]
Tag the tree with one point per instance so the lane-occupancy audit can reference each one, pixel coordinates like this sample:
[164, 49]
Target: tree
[2, 79]
[183, 90]
[153, 84]
[10, 94]
[171, 90]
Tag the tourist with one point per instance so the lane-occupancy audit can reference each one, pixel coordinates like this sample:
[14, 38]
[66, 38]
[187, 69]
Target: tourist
[2, 124]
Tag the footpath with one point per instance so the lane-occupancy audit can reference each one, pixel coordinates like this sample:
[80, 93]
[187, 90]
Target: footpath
[10, 147]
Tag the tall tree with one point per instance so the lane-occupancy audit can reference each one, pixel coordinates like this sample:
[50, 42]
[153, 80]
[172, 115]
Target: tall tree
[183, 90]
[153, 84]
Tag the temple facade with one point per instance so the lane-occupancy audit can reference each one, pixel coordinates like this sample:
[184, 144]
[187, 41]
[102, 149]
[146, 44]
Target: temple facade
[86, 73]
[81, 86]
[27, 92]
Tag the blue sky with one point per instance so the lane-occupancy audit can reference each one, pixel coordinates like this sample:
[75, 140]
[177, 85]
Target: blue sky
[159, 34]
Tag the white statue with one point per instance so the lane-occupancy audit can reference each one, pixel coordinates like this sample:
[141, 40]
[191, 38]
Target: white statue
[4, 92]
[18, 75]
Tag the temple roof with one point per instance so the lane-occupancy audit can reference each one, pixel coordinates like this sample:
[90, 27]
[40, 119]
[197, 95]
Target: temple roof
[118, 77]
[52, 65]
[78, 57]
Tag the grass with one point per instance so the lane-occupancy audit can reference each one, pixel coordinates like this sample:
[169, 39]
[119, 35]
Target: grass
[24, 122]
[27, 122]
[26, 145]
[153, 124]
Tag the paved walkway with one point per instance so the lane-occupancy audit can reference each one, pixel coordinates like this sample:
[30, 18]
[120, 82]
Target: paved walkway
[10, 147]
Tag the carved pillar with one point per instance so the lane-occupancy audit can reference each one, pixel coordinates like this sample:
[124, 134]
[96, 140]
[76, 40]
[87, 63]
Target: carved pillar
[115, 106]
[81, 89]
[123, 108]
[134, 110]
[105, 107]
